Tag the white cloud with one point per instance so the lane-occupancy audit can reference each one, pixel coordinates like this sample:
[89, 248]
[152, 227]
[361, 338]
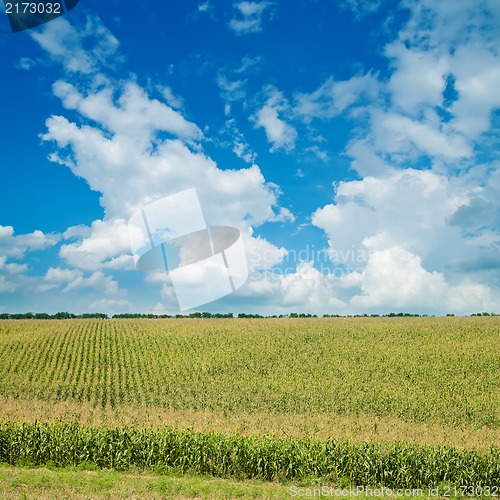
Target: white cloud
[411, 207]
[334, 97]
[248, 63]
[97, 280]
[279, 133]
[395, 278]
[231, 90]
[135, 115]
[172, 99]
[236, 140]
[397, 233]
[242, 150]
[396, 133]
[17, 246]
[106, 246]
[303, 290]
[66, 280]
[111, 304]
[205, 7]
[477, 73]
[365, 160]
[12, 276]
[130, 176]
[419, 77]
[449, 23]
[69, 45]
[11, 268]
[249, 17]
[57, 275]
[261, 254]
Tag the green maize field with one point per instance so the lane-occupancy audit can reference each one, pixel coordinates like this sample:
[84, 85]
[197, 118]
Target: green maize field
[408, 402]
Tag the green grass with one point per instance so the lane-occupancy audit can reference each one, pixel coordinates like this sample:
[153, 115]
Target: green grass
[42, 483]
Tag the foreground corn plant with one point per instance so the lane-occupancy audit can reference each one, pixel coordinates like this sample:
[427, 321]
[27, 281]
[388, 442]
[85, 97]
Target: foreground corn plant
[394, 466]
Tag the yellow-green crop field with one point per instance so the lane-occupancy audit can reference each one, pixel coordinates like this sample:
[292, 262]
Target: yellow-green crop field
[401, 401]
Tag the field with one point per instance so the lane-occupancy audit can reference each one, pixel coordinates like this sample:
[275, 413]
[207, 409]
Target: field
[382, 388]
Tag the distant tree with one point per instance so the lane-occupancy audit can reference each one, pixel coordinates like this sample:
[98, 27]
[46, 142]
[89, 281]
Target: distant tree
[41, 316]
[63, 315]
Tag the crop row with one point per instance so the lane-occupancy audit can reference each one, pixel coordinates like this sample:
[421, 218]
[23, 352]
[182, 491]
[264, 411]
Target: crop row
[393, 466]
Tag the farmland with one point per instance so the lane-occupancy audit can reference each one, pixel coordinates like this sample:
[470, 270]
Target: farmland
[416, 383]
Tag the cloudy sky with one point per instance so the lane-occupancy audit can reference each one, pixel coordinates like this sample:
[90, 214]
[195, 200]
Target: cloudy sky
[354, 144]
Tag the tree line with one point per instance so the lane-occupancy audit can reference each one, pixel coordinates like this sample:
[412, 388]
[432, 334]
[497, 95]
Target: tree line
[67, 315]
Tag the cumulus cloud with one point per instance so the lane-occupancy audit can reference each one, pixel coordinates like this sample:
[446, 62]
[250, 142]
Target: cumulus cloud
[409, 207]
[419, 77]
[16, 246]
[67, 280]
[456, 37]
[477, 74]
[395, 278]
[12, 276]
[130, 173]
[104, 246]
[279, 133]
[305, 289]
[396, 133]
[134, 115]
[396, 235]
[17, 278]
[97, 280]
[205, 7]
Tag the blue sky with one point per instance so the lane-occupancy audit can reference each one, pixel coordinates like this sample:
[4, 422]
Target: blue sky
[353, 143]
